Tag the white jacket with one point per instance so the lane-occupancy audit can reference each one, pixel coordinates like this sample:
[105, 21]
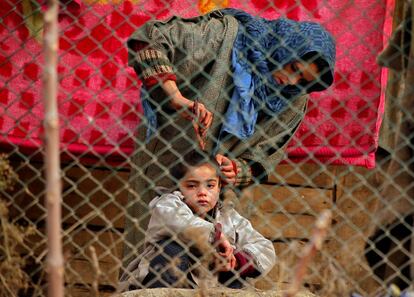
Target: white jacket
[170, 216]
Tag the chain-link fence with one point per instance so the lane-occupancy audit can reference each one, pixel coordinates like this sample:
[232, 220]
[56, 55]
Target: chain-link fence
[235, 86]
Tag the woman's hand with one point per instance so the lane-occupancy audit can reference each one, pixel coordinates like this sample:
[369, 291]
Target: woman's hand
[194, 111]
[227, 169]
[188, 109]
[191, 110]
[204, 118]
[201, 123]
[183, 106]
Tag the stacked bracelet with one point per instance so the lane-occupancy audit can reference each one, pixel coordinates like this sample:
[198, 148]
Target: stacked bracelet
[244, 174]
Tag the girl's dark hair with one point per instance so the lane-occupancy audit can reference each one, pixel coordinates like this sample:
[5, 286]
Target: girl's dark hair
[325, 79]
[192, 159]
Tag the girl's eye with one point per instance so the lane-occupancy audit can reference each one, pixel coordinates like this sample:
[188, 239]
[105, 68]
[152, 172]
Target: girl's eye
[211, 186]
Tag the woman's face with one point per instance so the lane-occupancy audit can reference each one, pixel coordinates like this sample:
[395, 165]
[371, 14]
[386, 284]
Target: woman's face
[201, 188]
[296, 71]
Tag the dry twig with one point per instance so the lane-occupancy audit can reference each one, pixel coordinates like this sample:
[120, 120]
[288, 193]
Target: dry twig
[97, 272]
[12, 276]
[318, 235]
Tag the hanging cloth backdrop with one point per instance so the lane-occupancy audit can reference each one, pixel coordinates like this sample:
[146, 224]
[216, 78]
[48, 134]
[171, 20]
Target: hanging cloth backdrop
[98, 97]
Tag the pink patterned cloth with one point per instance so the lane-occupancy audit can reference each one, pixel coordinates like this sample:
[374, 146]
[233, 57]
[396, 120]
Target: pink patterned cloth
[98, 97]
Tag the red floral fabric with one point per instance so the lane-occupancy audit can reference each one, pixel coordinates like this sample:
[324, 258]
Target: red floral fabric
[98, 96]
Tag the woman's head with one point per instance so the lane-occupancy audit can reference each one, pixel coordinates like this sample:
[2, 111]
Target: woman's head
[306, 43]
[263, 46]
[310, 73]
[296, 72]
[198, 178]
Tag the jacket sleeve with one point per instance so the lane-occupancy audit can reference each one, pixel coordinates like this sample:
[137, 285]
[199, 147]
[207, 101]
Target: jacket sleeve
[150, 52]
[170, 216]
[267, 146]
[174, 48]
[254, 244]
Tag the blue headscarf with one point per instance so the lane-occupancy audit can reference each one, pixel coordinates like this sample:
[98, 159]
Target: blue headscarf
[262, 46]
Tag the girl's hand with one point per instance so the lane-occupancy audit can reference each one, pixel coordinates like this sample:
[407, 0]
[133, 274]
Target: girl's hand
[224, 247]
[227, 169]
[225, 259]
[225, 264]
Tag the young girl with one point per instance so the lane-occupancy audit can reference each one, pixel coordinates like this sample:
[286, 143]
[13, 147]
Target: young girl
[243, 251]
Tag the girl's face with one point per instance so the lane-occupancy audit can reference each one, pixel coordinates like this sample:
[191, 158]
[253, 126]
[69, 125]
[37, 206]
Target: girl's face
[293, 72]
[201, 188]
